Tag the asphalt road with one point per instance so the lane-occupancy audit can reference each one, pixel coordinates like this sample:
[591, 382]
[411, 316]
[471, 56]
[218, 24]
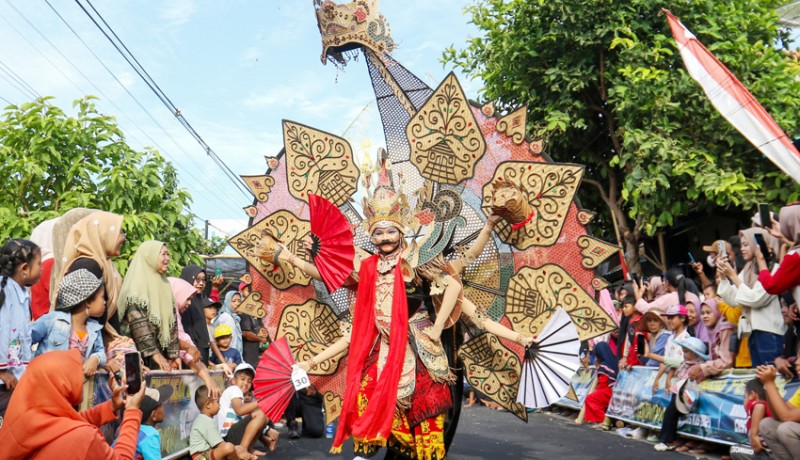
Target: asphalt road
[484, 433]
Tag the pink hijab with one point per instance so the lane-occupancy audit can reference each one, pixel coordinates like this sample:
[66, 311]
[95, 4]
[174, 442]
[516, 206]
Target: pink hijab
[719, 326]
[657, 287]
[790, 223]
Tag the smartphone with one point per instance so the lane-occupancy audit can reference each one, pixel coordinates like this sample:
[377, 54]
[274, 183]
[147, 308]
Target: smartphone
[721, 252]
[217, 271]
[762, 244]
[691, 258]
[765, 215]
[733, 344]
[640, 344]
[133, 372]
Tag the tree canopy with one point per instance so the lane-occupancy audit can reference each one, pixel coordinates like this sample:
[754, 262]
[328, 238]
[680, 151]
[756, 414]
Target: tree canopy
[53, 162]
[606, 87]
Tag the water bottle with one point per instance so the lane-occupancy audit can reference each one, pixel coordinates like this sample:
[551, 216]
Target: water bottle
[329, 430]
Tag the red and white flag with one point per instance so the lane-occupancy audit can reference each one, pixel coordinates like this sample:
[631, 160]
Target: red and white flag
[734, 101]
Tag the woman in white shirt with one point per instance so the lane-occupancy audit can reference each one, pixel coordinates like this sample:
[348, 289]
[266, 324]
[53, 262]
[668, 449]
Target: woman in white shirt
[761, 316]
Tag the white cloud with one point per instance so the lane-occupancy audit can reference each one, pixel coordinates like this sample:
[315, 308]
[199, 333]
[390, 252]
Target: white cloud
[177, 13]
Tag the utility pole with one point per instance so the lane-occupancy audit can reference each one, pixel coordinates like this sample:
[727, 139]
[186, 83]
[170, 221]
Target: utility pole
[206, 232]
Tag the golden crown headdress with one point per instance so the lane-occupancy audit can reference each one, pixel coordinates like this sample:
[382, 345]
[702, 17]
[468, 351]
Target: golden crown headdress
[384, 206]
[349, 26]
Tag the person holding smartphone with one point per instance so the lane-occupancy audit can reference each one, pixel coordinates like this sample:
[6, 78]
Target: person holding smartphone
[41, 422]
[787, 276]
[761, 317]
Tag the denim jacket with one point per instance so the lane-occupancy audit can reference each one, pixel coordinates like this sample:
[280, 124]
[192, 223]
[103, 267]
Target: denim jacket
[52, 332]
[15, 336]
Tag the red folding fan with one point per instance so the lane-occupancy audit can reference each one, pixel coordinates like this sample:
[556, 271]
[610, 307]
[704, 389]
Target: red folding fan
[273, 386]
[333, 242]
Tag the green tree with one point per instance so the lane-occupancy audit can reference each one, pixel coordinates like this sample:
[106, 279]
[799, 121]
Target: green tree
[53, 162]
[605, 85]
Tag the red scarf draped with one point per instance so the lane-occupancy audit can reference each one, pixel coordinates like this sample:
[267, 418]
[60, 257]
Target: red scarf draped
[375, 424]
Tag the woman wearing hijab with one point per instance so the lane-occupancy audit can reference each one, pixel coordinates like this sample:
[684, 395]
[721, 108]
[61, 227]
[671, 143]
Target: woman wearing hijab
[719, 332]
[91, 243]
[228, 316]
[61, 231]
[190, 355]
[193, 318]
[41, 422]
[656, 287]
[147, 307]
[607, 369]
[42, 235]
[677, 292]
[788, 274]
[761, 316]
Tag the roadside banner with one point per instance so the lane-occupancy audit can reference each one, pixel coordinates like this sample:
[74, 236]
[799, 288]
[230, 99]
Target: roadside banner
[179, 412]
[719, 416]
[581, 382]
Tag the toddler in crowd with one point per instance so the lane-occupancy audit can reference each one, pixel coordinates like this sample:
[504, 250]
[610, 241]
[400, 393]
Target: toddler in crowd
[240, 422]
[205, 440]
[81, 297]
[757, 409]
[222, 335]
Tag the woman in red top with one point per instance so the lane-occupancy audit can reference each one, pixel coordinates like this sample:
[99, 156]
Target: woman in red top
[41, 422]
[787, 275]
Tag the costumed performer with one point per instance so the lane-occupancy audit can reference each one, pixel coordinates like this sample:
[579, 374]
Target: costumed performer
[398, 393]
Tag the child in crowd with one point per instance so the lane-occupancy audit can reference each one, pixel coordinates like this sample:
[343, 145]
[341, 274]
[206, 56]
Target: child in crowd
[148, 445]
[694, 352]
[222, 335]
[241, 422]
[677, 322]
[81, 298]
[627, 330]
[655, 329]
[205, 441]
[210, 310]
[20, 267]
[757, 409]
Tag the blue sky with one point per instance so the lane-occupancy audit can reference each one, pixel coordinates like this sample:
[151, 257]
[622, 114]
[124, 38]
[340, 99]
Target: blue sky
[234, 68]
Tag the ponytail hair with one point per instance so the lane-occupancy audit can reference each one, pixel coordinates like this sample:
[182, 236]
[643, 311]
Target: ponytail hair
[676, 279]
[16, 252]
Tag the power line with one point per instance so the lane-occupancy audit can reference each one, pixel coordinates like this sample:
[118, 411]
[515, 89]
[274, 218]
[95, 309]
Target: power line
[150, 82]
[28, 93]
[28, 89]
[110, 100]
[17, 87]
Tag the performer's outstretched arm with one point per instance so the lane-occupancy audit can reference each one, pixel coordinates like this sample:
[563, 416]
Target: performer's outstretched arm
[338, 347]
[482, 321]
[476, 249]
[306, 267]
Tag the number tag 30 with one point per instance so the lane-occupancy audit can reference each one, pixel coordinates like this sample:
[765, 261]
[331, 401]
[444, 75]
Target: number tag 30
[300, 378]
